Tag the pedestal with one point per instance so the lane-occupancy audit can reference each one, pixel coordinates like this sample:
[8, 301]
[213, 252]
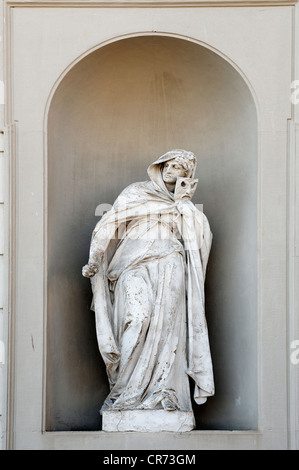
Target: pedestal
[148, 421]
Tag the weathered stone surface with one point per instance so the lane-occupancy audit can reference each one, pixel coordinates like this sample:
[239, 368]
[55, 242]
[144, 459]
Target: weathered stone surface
[148, 298]
[148, 420]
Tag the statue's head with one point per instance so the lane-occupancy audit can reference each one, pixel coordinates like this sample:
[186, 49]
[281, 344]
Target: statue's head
[174, 164]
[183, 157]
[179, 166]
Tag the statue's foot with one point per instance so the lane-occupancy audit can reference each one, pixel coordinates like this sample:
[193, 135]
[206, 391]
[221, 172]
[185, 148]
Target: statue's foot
[168, 405]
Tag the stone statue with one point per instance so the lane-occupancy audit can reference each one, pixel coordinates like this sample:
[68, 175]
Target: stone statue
[147, 265]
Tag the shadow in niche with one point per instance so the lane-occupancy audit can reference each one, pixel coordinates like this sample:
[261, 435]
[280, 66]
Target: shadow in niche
[112, 115]
[233, 407]
[76, 379]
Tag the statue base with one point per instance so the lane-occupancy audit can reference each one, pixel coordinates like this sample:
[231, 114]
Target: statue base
[147, 420]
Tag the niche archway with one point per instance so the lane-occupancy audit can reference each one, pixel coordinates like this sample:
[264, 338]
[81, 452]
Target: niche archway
[114, 113]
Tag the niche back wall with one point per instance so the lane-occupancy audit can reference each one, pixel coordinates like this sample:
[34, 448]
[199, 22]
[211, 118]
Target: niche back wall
[114, 113]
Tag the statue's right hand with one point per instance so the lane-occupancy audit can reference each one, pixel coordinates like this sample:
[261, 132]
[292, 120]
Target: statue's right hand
[89, 270]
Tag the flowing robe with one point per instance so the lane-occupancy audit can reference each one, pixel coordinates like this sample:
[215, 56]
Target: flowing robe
[148, 298]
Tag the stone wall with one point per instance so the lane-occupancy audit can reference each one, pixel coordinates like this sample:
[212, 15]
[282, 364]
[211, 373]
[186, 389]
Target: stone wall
[43, 49]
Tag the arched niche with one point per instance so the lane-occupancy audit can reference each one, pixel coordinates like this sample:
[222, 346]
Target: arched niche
[114, 113]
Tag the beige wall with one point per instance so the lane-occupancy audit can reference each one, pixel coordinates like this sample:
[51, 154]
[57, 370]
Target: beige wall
[41, 45]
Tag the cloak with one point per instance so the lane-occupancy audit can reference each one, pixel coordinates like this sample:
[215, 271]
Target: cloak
[123, 239]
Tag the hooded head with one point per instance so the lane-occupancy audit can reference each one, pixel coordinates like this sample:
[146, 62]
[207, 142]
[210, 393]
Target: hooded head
[185, 158]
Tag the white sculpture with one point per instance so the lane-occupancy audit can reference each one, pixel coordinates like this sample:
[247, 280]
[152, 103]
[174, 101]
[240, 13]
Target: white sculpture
[147, 265]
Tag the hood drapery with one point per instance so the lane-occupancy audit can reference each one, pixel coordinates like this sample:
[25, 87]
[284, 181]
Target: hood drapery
[154, 170]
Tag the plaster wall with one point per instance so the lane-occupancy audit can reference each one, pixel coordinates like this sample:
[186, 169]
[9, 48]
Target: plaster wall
[42, 43]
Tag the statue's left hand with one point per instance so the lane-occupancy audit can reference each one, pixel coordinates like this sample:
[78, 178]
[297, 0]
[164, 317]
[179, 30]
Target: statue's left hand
[89, 270]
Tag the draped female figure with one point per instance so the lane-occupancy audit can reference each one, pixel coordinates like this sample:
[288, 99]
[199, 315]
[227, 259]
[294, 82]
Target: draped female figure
[147, 264]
